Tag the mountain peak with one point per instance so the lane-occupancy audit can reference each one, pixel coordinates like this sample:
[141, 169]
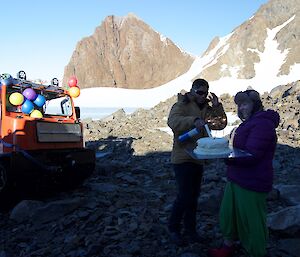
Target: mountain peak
[264, 49]
[131, 15]
[126, 52]
[120, 19]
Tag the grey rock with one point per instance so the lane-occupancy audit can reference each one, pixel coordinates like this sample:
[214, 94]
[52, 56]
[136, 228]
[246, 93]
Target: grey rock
[289, 193]
[55, 210]
[290, 246]
[103, 187]
[24, 210]
[188, 254]
[286, 220]
[273, 195]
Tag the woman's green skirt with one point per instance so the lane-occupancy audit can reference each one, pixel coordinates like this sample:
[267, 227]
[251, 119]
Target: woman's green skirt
[243, 217]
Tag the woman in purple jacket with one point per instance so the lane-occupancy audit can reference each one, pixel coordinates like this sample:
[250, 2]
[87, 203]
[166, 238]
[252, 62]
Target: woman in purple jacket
[243, 209]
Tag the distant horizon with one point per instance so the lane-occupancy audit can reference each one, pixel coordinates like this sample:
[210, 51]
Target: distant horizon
[40, 37]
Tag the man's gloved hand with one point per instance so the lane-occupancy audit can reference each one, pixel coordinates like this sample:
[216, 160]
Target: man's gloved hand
[214, 99]
[199, 123]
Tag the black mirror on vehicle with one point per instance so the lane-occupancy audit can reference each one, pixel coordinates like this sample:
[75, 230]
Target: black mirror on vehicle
[54, 82]
[77, 112]
[21, 75]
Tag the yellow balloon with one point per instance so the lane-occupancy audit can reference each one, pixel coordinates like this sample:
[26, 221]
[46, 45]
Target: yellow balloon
[36, 114]
[74, 91]
[16, 98]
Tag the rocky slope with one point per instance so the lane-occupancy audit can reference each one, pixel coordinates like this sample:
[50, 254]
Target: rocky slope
[125, 52]
[122, 209]
[240, 53]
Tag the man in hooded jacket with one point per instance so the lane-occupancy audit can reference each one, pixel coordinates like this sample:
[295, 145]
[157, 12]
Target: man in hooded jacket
[192, 110]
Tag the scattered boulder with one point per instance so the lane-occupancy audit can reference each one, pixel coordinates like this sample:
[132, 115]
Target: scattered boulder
[286, 220]
[123, 208]
[289, 193]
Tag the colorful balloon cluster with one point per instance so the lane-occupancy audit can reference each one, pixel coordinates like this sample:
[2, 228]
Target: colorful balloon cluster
[74, 90]
[27, 100]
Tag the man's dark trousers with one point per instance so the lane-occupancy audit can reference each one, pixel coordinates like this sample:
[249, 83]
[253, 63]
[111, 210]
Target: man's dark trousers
[188, 179]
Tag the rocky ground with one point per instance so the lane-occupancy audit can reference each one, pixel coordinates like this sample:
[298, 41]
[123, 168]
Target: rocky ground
[122, 209]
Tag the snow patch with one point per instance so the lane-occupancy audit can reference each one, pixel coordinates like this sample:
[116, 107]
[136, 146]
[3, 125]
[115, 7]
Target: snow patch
[234, 71]
[210, 58]
[224, 67]
[163, 39]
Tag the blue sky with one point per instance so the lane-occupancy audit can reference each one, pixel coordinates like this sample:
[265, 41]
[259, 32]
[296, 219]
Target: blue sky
[40, 36]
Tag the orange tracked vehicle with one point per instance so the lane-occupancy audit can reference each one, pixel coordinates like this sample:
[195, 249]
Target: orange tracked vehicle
[41, 136]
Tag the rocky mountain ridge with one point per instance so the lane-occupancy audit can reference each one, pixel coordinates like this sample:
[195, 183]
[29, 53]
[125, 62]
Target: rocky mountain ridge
[246, 43]
[125, 52]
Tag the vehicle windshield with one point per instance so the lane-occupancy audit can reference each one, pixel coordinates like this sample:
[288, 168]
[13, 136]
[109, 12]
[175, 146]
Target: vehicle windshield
[61, 106]
[56, 104]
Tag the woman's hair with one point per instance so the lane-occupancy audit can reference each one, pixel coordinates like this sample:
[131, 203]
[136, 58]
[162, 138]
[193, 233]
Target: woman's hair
[249, 95]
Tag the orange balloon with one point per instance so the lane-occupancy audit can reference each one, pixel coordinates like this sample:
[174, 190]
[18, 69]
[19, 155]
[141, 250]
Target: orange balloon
[74, 91]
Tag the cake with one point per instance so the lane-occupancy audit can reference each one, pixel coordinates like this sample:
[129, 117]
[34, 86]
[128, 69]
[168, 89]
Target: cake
[212, 146]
